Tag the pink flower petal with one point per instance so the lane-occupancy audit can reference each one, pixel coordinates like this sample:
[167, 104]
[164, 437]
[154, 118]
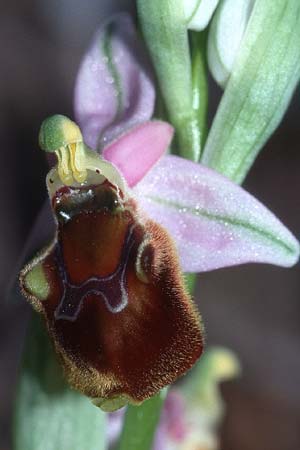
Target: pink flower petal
[214, 222]
[114, 89]
[137, 151]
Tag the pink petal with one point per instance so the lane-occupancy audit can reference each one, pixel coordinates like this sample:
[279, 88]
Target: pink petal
[214, 222]
[137, 151]
[114, 89]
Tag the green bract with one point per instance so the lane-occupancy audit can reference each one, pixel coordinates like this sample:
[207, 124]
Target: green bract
[265, 74]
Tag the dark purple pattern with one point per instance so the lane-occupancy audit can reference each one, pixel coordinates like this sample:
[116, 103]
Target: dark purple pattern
[111, 288]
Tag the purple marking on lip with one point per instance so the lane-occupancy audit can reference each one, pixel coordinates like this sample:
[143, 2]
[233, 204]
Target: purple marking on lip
[111, 288]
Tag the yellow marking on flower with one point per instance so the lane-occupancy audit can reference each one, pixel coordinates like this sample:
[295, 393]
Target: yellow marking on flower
[72, 163]
[70, 130]
[76, 162]
[64, 171]
[71, 156]
[61, 135]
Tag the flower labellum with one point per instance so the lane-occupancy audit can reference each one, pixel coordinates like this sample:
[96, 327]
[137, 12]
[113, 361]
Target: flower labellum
[109, 285]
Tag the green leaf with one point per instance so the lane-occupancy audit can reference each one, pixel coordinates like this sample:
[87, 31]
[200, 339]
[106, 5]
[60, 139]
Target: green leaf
[49, 415]
[265, 74]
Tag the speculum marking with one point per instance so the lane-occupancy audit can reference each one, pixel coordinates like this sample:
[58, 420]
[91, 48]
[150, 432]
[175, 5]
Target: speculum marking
[111, 288]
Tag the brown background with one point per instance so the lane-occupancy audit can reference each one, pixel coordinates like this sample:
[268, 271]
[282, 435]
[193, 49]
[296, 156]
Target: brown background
[254, 310]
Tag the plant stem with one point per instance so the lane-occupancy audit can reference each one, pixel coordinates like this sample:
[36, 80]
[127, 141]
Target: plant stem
[164, 29]
[183, 84]
[198, 41]
[141, 422]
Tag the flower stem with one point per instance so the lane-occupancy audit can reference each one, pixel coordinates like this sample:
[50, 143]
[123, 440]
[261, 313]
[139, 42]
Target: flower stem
[140, 423]
[164, 29]
[183, 84]
[198, 41]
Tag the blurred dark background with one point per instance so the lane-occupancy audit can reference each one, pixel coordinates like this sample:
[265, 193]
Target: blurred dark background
[254, 310]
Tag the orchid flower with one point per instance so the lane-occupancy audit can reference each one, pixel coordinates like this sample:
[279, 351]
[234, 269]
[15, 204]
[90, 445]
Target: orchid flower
[107, 247]
[109, 285]
[129, 221]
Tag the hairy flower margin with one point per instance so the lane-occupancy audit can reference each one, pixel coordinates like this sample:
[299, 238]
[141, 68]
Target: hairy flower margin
[213, 223]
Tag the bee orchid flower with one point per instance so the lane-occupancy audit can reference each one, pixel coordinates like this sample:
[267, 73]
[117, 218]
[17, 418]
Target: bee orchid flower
[129, 221]
[110, 284]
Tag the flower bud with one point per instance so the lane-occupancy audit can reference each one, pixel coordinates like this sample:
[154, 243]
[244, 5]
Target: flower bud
[198, 13]
[264, 76]
[225, 35]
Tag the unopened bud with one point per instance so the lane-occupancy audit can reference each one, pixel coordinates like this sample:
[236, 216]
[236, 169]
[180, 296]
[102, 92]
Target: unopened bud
[198, 13]
[225, 36]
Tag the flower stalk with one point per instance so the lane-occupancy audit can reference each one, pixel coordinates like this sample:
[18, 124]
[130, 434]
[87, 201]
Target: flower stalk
[164, 28]
[140, 422]
[198, 41]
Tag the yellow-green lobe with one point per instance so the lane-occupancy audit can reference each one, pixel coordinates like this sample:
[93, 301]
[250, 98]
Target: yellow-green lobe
[36, 282]
[58, 131]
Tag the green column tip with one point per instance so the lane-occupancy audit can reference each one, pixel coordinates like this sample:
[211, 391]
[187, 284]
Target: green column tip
[58, 131]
